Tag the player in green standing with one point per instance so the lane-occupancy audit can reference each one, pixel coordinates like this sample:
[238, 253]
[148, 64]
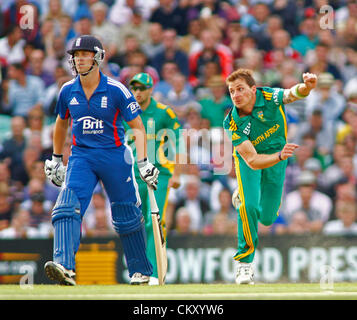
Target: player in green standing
[258, 130]
[163, 144]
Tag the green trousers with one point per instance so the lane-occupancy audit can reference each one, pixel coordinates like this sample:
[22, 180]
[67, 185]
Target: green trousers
[260, 193]
[161, 195]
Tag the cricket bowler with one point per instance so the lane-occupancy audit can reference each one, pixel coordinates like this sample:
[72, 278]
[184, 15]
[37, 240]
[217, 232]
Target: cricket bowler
[258, 129]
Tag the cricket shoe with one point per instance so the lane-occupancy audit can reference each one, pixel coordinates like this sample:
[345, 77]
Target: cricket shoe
[245, 273]
[153, 281]
[139, 278]
[59, 273]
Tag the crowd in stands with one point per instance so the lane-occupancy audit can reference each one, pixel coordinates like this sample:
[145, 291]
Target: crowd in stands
[188, 47]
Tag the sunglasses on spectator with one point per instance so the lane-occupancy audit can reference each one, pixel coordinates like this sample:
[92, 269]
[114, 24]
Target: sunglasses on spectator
[140, 88]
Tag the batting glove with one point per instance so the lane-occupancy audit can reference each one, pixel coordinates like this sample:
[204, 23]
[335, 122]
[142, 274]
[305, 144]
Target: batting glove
[55, 170]
[148, 173]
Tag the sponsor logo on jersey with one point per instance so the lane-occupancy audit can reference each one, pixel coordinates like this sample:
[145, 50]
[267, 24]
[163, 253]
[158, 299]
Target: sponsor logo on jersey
[276, 97]
[73, 101]
[246, 130]
[91, 125]
[134, 106]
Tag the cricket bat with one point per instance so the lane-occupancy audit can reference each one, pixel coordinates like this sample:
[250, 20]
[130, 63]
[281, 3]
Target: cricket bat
[160, 242]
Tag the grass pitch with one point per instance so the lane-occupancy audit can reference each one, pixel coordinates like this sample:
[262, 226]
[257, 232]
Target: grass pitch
[301, 291]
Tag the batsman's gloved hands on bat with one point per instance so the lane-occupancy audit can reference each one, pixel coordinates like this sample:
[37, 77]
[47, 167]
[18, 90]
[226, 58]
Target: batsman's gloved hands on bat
[148, 173]
[55, 170]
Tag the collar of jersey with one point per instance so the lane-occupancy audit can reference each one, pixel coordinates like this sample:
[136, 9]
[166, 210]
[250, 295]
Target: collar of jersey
[259, 102]
[150, 109]
[101, 87]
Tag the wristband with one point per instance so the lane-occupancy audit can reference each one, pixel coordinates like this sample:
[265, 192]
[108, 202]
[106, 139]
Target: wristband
[57, 157]
[142, 162]
[296, 93]
[280, 158]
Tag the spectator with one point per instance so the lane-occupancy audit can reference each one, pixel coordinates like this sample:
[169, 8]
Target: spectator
[324, 132]
[180, 96]
[101, 227]
[12, 46]
[37, 174]
[15, 188]
[287, 10]
[131, 45]
[299, 223]
[37, 58]
[224, 220]
[308, 37]
[333, 173]
[99, 203]
[183, 225]
[194, 203]
[53, 11]
[215, 106]
[318, 62]
[154, 44]
[136, 26]
[326, 98]
[256, 21]
[104, 29]
[345, 224]
[120, 13]
[317, 205]
[349, 69]
[25, 91]
[137, 63]
[211, 51]
[171, 52]
[38, 213]
[50, 95]
[169, 70]
[20, 227]
[36, 125]
[191, 41]
[6, 206]
[281, 41]
[170, 16]
[13, 149]
[294, 169]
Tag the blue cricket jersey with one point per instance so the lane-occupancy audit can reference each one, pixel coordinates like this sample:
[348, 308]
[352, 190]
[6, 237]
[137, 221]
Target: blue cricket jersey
[97, 122]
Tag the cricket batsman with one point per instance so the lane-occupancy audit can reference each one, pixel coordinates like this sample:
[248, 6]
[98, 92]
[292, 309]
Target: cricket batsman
[258, 130]
[164, 150]
[95, 106]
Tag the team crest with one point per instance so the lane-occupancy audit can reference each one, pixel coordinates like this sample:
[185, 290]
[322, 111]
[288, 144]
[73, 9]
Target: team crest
[260, 115]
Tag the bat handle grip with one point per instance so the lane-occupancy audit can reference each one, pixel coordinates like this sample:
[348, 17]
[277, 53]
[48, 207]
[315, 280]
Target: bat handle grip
[153, 204]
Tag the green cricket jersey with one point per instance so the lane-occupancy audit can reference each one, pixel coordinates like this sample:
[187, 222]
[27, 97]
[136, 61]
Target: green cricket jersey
[163, 136]
[265, 127]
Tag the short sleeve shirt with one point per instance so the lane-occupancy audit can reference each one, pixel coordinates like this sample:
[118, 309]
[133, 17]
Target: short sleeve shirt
[97, 122]
[265, 127]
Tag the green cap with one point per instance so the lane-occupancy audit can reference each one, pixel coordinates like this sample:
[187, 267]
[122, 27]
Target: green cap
[143, 78]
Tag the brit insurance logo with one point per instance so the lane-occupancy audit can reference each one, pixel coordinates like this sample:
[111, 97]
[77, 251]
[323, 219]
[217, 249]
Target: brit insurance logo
[91, 125]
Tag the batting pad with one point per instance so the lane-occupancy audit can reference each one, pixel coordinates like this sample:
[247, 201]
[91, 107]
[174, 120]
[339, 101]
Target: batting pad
[128, 222]
[66, 220]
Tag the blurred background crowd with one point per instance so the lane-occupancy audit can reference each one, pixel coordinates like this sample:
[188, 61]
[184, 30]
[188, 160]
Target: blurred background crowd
[188, 47]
